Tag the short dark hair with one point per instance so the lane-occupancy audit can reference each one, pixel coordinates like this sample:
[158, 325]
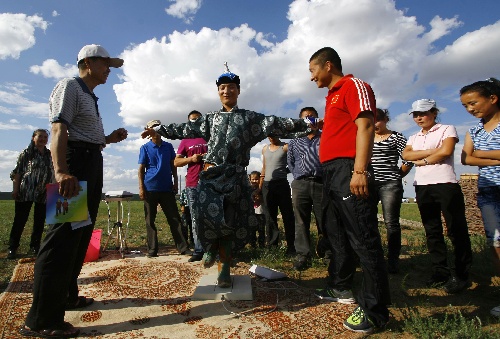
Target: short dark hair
[40, 130]
[382, 114]
[327, 54]
[193, 112]
[255, 173]
[308, 108]
[484, 88]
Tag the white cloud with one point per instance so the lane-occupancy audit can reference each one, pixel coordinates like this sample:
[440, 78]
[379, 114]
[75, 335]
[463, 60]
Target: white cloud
[8, 158]
[441, 27]
[471, 57]
[17, 33]
[54, 13]
[16, 126]
[184, 9]
[50, 68]
[376, 42]
[13, 101]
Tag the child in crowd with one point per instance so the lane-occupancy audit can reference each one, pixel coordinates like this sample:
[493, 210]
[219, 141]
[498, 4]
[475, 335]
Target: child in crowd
[186, 217]
[259, 211]
[482, 148]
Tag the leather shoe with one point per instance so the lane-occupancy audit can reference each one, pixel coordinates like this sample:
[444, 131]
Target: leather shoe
[196, 257]
[456, 285]
[12, 254]
[302, 263]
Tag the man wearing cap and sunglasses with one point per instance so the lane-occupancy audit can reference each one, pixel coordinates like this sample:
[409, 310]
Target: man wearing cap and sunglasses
[156, 169]
[77, 141]
[224, 209]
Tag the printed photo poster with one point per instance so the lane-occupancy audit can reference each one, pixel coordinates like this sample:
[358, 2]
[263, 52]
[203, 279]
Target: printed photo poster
[61, 209]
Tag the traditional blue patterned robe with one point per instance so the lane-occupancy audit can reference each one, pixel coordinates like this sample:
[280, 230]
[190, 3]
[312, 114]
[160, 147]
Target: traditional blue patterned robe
[224, 207]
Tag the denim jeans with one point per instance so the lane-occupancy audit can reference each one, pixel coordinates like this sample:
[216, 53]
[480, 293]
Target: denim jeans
[488, 201]
[191, 195]
[390, 193]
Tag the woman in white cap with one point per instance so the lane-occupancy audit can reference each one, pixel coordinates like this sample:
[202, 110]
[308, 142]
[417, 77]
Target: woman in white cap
[437, 191]
[482, 148]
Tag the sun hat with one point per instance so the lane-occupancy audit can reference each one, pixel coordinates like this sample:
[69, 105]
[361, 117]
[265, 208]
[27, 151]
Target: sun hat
[423, 105]
[228, 78]
[90, 51]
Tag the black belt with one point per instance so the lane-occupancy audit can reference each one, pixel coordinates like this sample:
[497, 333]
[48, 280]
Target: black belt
[312, 178]
[83, 144]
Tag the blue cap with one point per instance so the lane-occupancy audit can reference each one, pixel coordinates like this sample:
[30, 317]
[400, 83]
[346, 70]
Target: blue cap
[228, 78]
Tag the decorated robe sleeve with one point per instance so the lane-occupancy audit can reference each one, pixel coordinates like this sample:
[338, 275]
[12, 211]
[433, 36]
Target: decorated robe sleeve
[285, 128]
[189, 130]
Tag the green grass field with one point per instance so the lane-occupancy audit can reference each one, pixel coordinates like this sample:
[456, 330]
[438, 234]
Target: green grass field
[417, 312]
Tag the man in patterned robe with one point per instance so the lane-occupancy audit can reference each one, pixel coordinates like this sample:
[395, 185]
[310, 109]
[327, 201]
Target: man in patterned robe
[224, 208]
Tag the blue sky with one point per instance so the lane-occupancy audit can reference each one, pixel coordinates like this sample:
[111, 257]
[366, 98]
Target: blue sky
[174, 51]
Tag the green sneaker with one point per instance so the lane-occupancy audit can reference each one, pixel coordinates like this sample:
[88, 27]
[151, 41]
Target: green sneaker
[331, 294]
[359, 322]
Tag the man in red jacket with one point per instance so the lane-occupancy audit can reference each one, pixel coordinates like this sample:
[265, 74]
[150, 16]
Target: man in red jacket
[350, 208]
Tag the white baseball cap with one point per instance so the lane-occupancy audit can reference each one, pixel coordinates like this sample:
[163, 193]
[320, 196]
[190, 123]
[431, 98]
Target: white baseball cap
[422, 105]
[90, 51]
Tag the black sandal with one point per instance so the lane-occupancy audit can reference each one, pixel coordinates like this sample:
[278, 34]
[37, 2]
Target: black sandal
[68, 332]
[81, 302]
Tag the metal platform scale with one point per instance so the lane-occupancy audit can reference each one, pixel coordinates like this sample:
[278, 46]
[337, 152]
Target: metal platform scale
[117, 229]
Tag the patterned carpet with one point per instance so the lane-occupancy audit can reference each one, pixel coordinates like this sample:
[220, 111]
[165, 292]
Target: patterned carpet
[138, 297]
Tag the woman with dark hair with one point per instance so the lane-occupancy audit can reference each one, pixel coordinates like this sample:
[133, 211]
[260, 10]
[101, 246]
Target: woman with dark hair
[387, 149]
[32, 172]
[437, 189]
[482, 148]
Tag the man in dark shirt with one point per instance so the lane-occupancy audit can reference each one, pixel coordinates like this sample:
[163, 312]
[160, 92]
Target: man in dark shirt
[307, 188]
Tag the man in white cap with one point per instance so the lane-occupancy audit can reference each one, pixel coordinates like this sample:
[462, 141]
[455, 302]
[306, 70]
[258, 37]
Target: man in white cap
[77, 141]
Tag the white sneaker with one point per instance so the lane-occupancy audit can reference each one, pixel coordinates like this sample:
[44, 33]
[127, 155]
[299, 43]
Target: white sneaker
[495, 311]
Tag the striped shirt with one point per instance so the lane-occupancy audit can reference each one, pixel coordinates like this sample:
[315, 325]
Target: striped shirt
[386, 155]
[72, 103]
[303, 157]
[488, 175]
